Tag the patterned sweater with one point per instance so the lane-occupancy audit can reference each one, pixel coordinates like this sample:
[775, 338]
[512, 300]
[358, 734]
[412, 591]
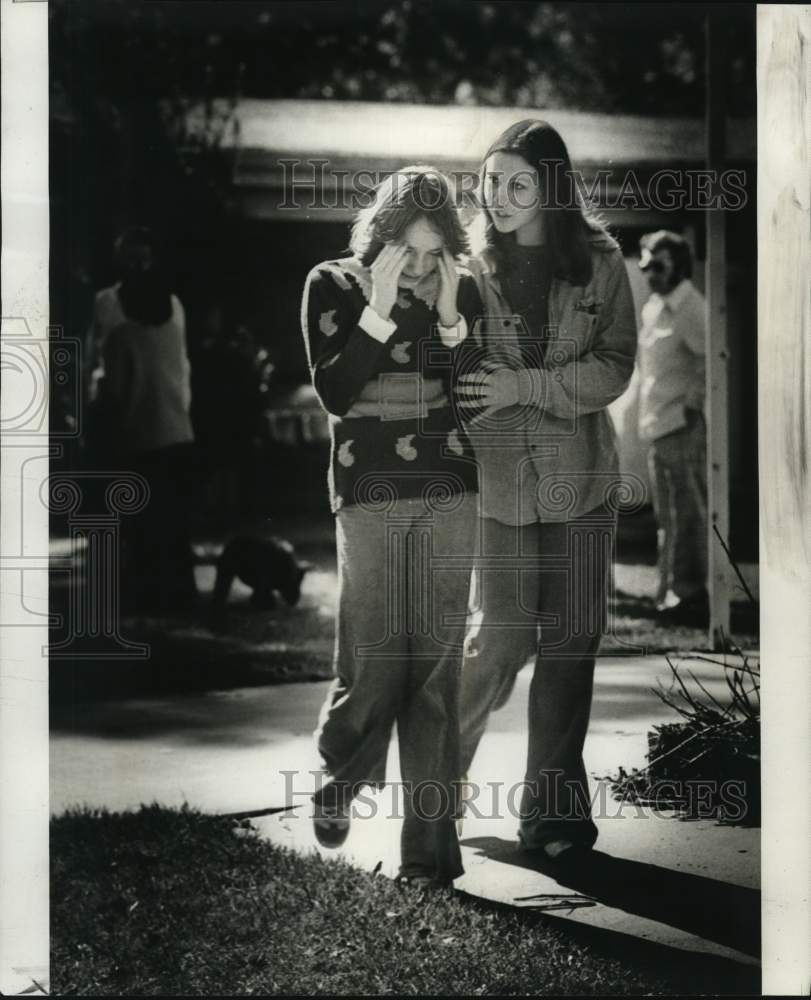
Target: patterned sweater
[388, 387]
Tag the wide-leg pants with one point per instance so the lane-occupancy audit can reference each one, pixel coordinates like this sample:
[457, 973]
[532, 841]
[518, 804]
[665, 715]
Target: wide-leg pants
[404, 578]
[542, 593]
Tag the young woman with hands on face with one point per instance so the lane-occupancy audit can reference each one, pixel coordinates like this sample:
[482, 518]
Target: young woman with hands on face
[384, 329]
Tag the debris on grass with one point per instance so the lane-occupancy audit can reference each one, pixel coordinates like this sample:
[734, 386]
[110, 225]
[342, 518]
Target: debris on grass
[708, 764]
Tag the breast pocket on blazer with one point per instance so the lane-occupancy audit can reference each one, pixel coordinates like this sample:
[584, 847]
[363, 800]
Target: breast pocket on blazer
[584, 323]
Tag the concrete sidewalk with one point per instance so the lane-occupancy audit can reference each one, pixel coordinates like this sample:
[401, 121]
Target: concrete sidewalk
[250, 749]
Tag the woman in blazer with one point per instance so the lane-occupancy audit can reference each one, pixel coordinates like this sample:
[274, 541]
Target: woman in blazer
[559, 340]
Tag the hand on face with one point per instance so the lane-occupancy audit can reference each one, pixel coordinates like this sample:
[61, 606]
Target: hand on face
[385, 277]
[416, 254]
[448, 289]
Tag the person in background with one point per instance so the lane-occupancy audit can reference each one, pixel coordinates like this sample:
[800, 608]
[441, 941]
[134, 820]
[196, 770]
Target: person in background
[561, 344]
[143, 382]
[671, 420]
[383, 329]
[231, 374]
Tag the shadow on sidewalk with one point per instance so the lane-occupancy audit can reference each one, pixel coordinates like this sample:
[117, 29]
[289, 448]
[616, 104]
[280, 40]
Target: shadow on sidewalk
[190, 651]
[690, 973]
[717, 911]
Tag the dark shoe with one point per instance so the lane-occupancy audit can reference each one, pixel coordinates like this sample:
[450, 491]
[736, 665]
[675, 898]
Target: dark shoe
[331, 826]
[331, 817]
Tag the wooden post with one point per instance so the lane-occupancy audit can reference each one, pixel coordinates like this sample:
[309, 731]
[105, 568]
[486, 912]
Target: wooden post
[719, 581]
[784, 429]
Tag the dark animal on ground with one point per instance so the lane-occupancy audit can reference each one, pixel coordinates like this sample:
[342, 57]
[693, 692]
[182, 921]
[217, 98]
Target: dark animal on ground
[268, 565]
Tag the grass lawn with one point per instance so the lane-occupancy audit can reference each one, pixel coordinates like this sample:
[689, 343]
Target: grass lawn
[163, 902]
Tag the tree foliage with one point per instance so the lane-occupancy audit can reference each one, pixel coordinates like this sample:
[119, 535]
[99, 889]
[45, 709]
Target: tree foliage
[125, 72]
[644, 58]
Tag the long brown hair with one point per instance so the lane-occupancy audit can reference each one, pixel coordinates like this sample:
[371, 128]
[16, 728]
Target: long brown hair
[567, 223]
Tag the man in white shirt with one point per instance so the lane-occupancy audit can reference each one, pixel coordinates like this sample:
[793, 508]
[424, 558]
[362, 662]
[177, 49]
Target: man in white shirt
[671, 419]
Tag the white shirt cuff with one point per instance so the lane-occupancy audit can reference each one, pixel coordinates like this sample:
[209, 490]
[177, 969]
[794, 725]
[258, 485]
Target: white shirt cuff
[378, 328]
[452, 336]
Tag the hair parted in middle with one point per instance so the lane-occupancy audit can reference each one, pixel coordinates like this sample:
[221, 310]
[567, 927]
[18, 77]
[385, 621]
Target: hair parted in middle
[409, 194]
[567, 222]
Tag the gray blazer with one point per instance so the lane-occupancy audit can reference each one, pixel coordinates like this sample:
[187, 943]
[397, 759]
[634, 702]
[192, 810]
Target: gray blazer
[588, 364]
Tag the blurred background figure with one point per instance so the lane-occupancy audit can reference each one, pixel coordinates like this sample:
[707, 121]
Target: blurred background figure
[671, 419]
[140, 384]
[134, 261]
[231, 375]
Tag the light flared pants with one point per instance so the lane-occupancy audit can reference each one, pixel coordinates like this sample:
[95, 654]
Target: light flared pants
[404, 577]
[542, 593]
